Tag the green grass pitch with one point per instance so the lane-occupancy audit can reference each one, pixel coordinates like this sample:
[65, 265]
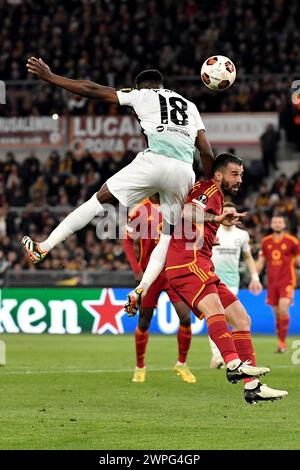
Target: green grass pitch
[75, 392]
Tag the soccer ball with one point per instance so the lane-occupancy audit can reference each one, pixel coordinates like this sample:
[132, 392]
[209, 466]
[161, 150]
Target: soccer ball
[218, 73]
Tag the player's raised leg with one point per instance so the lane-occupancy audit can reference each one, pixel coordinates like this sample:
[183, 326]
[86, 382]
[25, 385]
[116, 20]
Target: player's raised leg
[75, 221]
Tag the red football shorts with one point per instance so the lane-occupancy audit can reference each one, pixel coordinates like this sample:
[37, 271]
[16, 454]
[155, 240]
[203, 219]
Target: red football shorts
[159, 285]
[192, 283]
[279, 292]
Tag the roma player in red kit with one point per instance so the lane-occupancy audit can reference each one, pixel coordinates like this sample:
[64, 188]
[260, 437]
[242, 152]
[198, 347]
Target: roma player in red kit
[280, 251]
[144, 226]
[190, 272]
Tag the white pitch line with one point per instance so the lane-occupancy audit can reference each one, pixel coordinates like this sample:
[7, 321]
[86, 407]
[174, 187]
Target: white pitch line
[103, 371]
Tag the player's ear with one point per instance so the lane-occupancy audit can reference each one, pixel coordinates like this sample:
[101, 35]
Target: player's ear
[218, 176]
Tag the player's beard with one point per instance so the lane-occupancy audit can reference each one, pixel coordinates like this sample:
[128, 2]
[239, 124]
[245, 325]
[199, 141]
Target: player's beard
[229, 190]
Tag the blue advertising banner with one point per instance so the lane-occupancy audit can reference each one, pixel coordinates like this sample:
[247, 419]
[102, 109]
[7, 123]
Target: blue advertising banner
[165, 319]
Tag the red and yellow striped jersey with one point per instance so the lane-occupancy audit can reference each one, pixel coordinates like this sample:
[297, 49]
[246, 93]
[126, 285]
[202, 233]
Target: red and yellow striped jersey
[190, 246]
[144, 225]
[280, 258]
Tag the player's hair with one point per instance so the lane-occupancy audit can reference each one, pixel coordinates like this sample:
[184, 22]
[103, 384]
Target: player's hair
[230, 204]
[151, 76]
[223, 159]
[281, 216]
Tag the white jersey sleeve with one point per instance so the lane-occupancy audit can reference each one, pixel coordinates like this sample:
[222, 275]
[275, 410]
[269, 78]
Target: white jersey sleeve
[245, 243]
[129, 97]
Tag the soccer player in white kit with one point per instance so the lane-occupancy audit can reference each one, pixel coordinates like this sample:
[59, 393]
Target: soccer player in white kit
[173, 129]
[231, 241]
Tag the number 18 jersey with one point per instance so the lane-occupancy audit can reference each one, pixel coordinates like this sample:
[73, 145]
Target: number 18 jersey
[169, 122]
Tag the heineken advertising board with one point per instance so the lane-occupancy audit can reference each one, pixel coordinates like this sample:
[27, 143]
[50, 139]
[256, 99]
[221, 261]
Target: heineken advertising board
[98, 311]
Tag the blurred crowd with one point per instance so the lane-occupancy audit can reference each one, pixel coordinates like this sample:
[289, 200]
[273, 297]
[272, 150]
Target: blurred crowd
[31, 193]
[110, 42]
[35, 196]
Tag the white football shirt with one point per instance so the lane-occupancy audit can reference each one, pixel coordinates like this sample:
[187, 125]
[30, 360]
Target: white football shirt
[226, 256]
[169, 122]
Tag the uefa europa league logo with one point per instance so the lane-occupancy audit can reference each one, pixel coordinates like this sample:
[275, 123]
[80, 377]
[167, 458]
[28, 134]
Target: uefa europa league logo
[2, 92]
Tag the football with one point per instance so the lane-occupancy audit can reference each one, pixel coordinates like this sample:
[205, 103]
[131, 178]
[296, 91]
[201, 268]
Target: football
[218, 73]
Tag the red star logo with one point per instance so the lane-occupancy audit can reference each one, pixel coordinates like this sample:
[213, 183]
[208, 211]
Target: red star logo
[107, 313]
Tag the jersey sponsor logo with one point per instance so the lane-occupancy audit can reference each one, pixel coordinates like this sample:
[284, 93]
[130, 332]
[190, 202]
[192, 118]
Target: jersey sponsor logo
[126, 90]
[160, 128]
[226, 250]
[203, 198]
[283, 246]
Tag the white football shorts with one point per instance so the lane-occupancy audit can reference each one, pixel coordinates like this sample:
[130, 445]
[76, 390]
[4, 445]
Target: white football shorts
[151, 173]
[234, 290]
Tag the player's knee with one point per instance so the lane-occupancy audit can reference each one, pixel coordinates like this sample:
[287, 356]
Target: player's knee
[145, 318]
[144, 324]
[247, 322]
[104, 196]
[240, 321]
[100, 194]
[283, 311]
[185, 320]
[244, 322]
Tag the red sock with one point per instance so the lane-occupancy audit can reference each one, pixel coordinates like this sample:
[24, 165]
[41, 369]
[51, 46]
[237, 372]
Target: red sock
[283, 330]
[244, 347]
[141, 340]
[278, 327]
[221, 336]
[184, 337]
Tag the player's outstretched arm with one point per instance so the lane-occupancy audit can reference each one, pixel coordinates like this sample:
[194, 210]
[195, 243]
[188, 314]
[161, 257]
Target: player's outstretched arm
[206, 153]
[260, 263]
[255, 285]
[197, 215]
[84, 88]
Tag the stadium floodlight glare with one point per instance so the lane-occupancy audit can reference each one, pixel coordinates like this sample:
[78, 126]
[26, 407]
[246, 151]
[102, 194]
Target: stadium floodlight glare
[55, 116]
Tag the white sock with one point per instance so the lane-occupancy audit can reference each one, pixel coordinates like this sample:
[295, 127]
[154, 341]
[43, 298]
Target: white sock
[234, 364]
[178, 363]
[76, 220]
[215, 350]
[156, 262]
[251, 385]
